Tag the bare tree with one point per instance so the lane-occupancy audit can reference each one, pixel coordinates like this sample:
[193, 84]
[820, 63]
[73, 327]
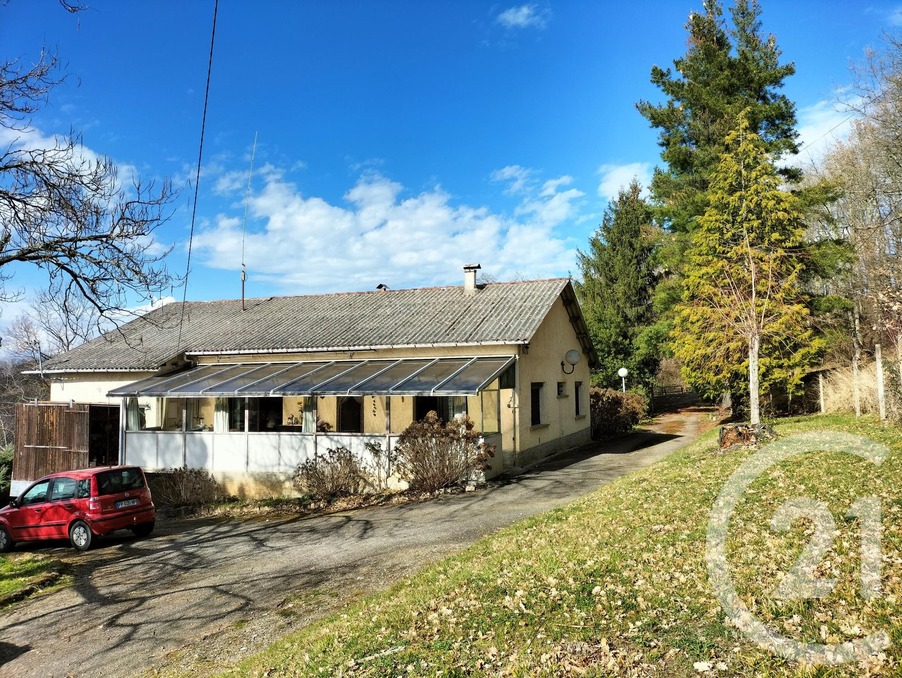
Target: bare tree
[16, 387]
[69, 212]
[54, 323]
[867, 168]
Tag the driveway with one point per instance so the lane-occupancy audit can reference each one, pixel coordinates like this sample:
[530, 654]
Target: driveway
[199, 595]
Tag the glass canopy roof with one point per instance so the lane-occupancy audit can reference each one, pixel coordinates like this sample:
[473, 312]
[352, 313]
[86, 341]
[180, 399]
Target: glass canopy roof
[459, 376]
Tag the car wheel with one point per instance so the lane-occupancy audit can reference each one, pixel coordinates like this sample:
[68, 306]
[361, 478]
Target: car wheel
[80, 535]
[6, 542]
[143, 529]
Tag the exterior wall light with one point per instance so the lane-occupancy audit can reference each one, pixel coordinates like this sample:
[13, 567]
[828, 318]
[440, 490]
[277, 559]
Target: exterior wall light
[571, 358]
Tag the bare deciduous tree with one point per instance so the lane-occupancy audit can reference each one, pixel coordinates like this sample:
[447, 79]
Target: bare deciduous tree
[54, 323]
[69, 212]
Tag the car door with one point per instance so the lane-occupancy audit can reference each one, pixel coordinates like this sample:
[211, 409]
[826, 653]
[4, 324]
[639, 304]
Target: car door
[57, 513]
[25, 521]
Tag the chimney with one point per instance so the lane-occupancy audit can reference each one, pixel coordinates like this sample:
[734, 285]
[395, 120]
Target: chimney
[470, 279]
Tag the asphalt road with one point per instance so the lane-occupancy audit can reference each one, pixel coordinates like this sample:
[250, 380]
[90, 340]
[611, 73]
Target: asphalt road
[199, 595]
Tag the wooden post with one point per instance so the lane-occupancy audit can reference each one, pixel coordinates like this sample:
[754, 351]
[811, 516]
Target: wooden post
[899, 355]
[856, 358]
[820, 386]
[881, 396]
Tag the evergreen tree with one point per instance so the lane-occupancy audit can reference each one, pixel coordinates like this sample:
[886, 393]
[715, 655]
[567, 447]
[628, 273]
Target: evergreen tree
[742, 325]
[723, 72]
[617, 282]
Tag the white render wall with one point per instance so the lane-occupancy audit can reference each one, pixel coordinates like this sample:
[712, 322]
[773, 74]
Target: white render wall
[90, 389]
[250, 464]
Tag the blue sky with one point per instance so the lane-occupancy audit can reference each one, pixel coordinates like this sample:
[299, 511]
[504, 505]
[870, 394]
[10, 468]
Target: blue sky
[396, 140]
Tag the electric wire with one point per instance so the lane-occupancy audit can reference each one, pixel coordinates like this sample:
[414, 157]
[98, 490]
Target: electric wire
[200, 155]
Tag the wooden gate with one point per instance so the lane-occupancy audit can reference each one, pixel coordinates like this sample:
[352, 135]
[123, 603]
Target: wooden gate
[53, 437]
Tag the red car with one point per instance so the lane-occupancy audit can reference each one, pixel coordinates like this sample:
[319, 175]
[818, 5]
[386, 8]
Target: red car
[79, 505]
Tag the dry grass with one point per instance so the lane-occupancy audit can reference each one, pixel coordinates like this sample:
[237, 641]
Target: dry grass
[839, 390]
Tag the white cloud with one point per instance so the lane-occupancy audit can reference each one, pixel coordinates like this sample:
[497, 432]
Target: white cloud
[519, 178]
[821, 125]
[524, 16]
[894, 16]
[229, 182]
[617, 177]
[383, 234]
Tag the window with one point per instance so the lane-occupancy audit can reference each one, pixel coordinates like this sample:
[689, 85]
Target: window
[84, 488]
[350, 415]
[172, 414]
[447, 408]
[578, 397]
[119, 480]
[134, 416]
[561, 389]
[535, 403]
[63, 488]
[264, 414]
[36, 494]
[236, 414]
[490, 407]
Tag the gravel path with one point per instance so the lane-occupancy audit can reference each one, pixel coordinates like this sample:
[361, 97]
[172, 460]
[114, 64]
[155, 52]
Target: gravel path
[200, 595]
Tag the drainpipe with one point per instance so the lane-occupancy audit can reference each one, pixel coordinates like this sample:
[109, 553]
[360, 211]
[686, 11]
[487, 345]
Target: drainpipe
[123, 413]
[387, 433]
[185, 432]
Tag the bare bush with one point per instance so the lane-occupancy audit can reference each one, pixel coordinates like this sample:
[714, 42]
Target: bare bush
[185, 487]
[379, 466]
[433, 454]
[337, 473]
[614, 412]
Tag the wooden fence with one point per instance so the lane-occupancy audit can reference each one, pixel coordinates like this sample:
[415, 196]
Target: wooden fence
[51, 437]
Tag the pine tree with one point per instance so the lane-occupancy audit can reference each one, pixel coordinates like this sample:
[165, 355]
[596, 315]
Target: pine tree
[743, 319]
[722, 73]
[618, 279]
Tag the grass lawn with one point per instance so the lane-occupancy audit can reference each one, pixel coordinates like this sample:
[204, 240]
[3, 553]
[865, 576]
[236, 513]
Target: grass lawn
[23, 573]
[617, 582]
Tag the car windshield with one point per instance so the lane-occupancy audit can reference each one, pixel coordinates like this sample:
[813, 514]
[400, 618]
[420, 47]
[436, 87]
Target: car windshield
[119, 480]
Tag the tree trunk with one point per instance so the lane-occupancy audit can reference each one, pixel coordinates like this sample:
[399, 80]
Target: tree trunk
[881, 393]
[856, 359]
[754, 408]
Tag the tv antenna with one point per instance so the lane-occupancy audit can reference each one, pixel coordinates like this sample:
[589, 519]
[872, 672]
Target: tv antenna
[247, 199]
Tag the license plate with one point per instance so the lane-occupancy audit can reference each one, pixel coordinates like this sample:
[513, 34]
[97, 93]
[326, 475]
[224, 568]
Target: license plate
[126, 502]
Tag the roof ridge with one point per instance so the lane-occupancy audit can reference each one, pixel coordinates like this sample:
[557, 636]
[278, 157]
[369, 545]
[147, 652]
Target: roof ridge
[363, 292]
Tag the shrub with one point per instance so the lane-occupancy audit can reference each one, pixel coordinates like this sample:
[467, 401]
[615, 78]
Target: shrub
[379, 466]
[336, 473]
[185, 487]
[6, 465]
[614, 412]
[432, 454]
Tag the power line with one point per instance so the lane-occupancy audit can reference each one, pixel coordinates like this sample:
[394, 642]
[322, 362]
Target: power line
[200, 155]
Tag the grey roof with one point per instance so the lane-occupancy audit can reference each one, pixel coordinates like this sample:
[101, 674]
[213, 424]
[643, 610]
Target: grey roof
[498, 313]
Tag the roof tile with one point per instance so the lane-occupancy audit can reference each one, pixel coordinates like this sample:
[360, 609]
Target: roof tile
[507, 313]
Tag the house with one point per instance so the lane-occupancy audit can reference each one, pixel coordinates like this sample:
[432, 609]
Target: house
[247, 390]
